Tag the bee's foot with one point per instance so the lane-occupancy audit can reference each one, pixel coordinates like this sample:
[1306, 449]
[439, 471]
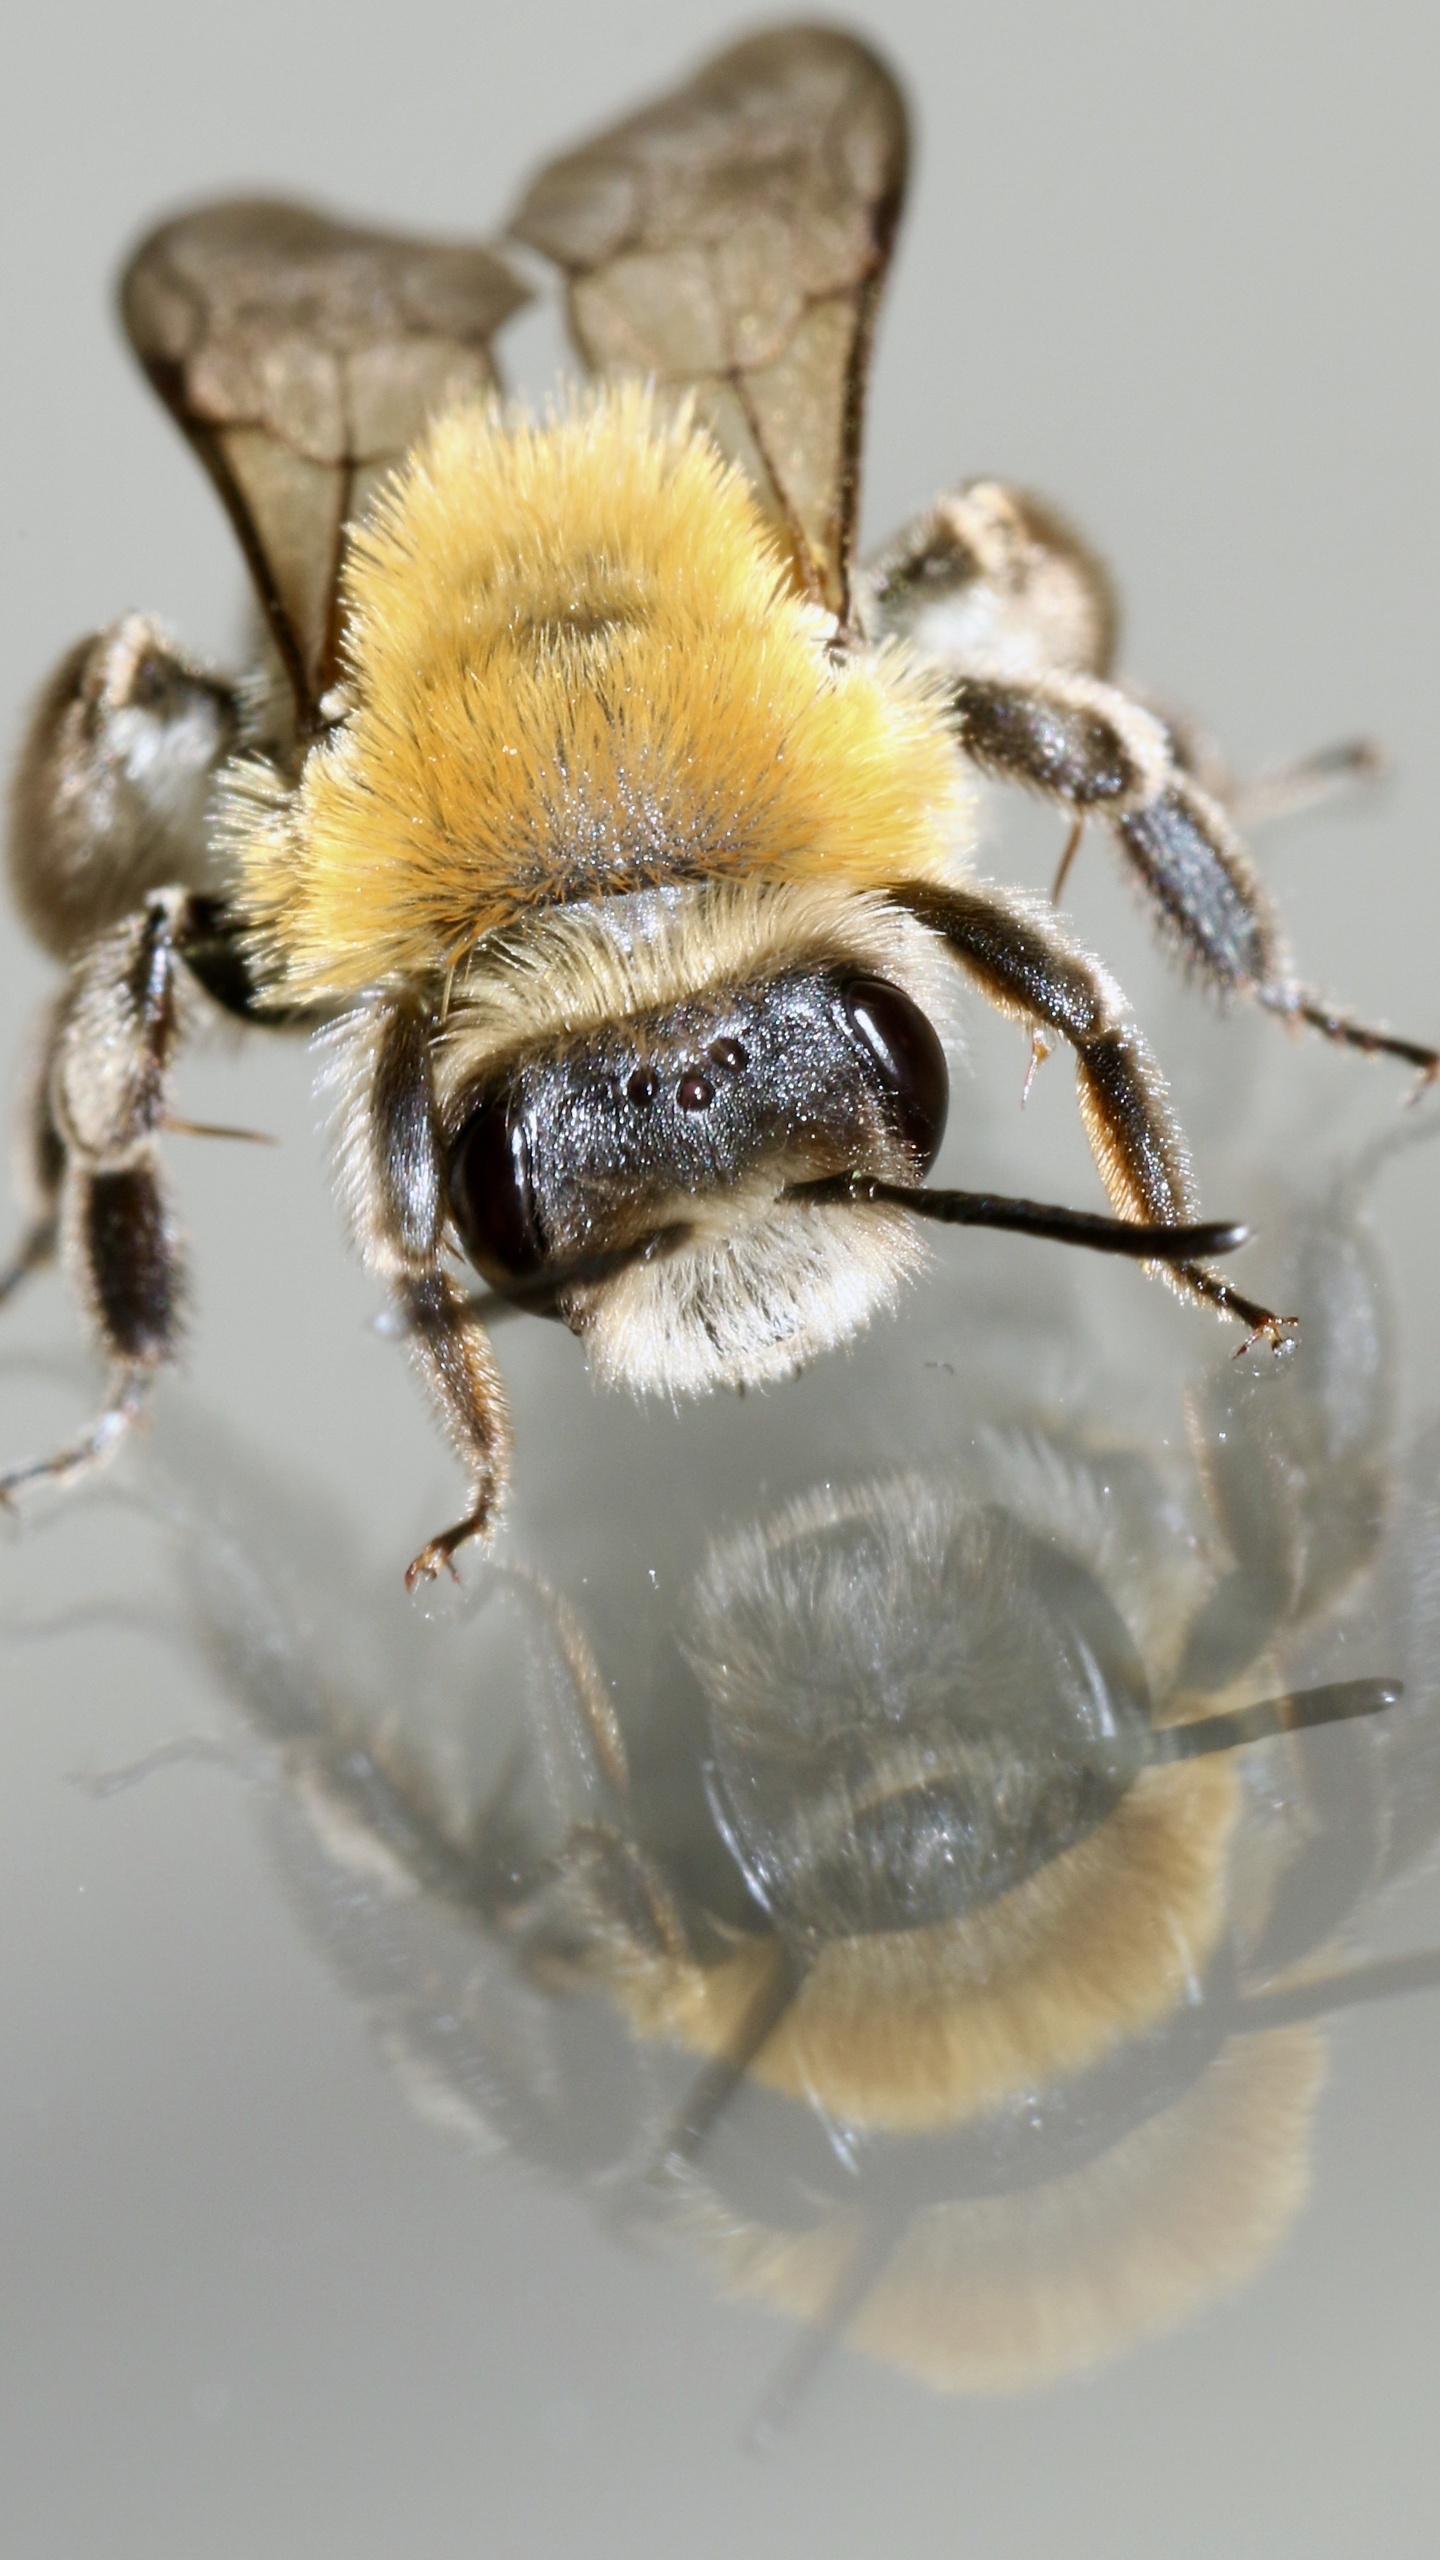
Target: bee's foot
[437, 1556]
[84, 1456]
[1279, 1333]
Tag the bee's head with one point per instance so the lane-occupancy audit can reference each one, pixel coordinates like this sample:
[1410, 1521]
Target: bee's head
[916, 1704]
[641, 1172]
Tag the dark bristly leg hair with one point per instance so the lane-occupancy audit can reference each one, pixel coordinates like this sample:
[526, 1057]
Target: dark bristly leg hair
[1195, 871]
[1087, 746]
[109, 863]
[95, 1105]
[393, 1159]
[1338, 771]
[1030, 968]
[997, 591]
[451, 1350]
[115, 1034]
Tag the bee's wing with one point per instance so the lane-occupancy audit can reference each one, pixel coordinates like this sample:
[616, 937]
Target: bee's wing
[733, 239]
[302, 358]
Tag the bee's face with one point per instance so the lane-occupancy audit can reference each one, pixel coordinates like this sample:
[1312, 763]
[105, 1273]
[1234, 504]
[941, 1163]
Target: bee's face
[634, 1091]
[599, 1145]
[875, 1782]
[927, 1732]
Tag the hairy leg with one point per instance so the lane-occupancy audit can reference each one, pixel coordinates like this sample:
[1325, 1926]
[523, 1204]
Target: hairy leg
[1090, 748]
[1006, 599]
[451, 1350]
[112, 1044]
[1028, 967]
[395, 1184]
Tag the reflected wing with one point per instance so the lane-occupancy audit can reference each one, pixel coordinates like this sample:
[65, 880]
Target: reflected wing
[302, 358]
[734, 238]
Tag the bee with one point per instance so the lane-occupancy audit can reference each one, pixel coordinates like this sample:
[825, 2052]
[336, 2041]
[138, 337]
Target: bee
[609, 820]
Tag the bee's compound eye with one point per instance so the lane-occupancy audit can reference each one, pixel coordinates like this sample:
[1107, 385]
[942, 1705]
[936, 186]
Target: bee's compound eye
[492, 1195]
[906, 1049]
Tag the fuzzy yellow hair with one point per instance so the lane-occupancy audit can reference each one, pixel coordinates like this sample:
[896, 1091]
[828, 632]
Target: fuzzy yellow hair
[1007, 2293]
[909, 2031]
[575, 666]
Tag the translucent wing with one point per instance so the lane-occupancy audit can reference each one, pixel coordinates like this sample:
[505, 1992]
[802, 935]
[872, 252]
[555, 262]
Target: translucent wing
[302, 358]
[733, 239]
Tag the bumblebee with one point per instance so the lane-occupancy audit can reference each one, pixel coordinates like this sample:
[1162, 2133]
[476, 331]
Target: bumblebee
[612, 822]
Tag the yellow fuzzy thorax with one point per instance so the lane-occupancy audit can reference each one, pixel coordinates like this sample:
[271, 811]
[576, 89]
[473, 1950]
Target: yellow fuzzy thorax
[574, 667]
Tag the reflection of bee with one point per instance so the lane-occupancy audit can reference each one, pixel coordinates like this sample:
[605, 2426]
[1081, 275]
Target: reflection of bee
[1006, 2021]
[617, 821]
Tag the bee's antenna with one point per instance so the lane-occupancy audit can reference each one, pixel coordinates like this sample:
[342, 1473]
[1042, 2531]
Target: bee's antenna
[1291, 2004]
[1129, 1236]
[1337, 1703]
[716, 2085]
[798, 2370]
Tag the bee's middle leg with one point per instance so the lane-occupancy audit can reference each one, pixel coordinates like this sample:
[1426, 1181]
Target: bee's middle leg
[96, 1114]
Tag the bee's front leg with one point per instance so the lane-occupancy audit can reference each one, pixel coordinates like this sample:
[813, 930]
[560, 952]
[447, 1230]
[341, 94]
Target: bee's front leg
[393, 1174]
[1022, 959]
[452, 1351]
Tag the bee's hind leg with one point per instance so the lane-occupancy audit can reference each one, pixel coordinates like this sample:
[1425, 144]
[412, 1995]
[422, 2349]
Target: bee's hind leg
[1097, 752]
[1211, 908]
[1005, 599]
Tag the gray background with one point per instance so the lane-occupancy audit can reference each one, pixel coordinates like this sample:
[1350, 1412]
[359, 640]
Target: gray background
[1175, 268]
